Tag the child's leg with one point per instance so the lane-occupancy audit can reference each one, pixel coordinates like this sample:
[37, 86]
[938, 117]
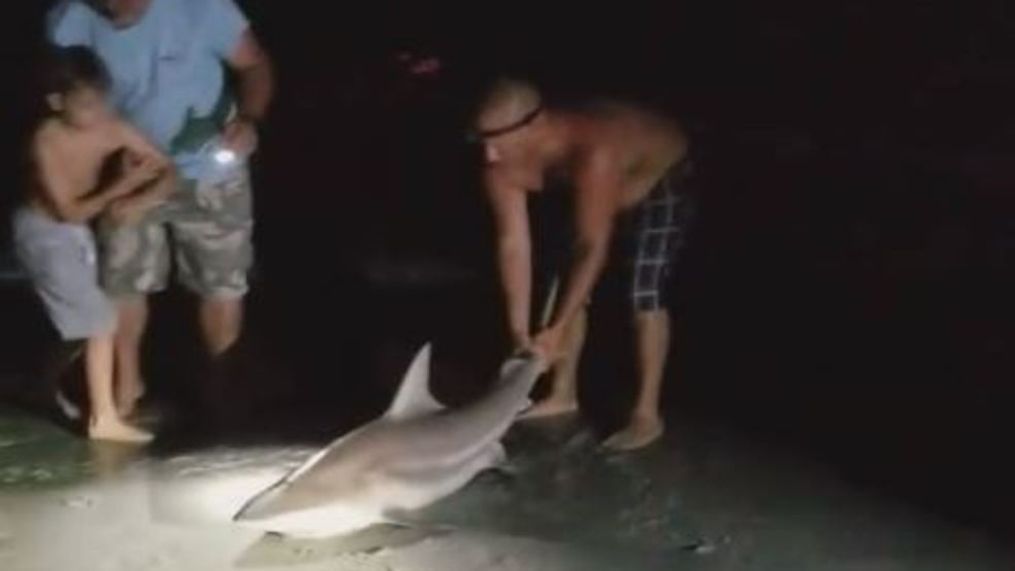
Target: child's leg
[104, 422]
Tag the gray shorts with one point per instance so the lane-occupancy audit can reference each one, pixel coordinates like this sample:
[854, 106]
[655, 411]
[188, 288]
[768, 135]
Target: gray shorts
[61, 261]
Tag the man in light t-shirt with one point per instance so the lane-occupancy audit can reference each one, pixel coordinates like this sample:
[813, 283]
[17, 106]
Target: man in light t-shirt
[168, 61]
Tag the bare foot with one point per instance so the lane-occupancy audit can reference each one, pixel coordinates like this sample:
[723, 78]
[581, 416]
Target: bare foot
[127, 398]
[549, 408]
[117, 431]
[641, 432]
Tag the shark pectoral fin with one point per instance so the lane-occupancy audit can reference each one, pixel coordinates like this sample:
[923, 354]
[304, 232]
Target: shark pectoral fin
[509, 470]
[526, 405]
[414, 399]
[498, 455]
[397, 518]
[500, 463]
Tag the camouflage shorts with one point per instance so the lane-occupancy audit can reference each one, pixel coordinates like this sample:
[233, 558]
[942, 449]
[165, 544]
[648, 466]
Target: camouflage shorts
[206, 227]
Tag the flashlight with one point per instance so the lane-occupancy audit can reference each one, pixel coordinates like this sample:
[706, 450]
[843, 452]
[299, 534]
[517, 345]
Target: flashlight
[225, 156]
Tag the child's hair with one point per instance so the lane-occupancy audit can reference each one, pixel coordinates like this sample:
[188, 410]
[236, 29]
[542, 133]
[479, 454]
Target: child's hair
[68, 68]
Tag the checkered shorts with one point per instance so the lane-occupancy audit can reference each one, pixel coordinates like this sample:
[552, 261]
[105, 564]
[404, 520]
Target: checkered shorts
[658, 234]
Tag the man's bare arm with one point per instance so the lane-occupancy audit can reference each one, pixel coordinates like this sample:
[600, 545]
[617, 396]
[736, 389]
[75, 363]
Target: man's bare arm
[597, 195]
[514, 252]
[256, 78]
[66, 201]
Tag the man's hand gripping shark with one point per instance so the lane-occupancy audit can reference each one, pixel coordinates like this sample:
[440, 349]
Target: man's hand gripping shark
[415, 454]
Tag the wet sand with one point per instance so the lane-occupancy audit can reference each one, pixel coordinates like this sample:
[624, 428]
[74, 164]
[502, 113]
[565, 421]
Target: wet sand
[710, 496]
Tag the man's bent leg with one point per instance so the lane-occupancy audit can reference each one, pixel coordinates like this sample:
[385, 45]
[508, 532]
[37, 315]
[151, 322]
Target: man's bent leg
[661, 224]
[221, 323]
[652, 331]
[131, 326]
[563, 397]
[213, 231]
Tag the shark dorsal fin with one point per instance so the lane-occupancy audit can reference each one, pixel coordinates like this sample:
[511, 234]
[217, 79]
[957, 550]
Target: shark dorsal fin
[414, 398]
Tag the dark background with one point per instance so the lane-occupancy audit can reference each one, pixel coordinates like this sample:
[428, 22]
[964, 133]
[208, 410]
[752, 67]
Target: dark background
[848, 289]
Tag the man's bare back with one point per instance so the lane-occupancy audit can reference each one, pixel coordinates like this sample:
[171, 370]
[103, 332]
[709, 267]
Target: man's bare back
[640, 145]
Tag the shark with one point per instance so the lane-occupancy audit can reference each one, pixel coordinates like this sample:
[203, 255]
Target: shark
[414, 454]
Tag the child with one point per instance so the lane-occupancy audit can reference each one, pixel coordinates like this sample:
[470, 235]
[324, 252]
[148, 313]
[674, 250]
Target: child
[70, 150]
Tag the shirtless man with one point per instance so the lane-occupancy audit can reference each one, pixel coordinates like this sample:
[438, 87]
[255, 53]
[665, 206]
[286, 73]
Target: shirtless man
[624, 165]
[69, 151]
